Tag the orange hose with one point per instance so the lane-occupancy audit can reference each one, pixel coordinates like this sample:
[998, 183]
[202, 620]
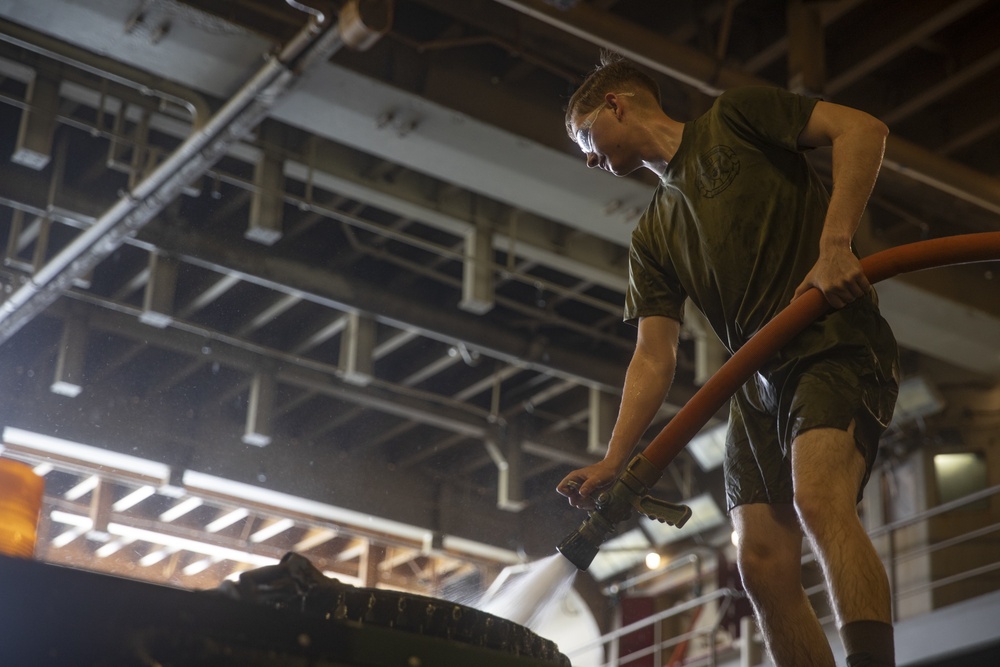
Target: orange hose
[674, 437]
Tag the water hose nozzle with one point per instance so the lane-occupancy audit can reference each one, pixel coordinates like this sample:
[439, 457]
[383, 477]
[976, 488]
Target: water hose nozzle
[628, 493]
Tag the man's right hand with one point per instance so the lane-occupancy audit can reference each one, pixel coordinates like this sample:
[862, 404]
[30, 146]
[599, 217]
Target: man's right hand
[582, 486]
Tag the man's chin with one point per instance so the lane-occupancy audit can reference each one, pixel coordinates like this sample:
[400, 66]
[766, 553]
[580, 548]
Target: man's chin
[625, 171]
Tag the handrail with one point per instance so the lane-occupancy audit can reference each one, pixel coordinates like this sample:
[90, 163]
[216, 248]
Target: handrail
[728, 594]
[934, 511]
[659, 616]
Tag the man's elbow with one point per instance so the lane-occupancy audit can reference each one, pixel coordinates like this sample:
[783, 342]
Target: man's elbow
[876, 127]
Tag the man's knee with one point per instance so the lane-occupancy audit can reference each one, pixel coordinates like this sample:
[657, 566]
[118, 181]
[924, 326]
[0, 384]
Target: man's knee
[814, 504]
[766, 567]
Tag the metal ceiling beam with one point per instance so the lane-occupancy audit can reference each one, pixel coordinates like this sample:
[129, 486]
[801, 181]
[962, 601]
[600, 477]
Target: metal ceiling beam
[944, 87]
[450, 327]
[893, 37]
[197, 154]
[303, 373]
[706, 74]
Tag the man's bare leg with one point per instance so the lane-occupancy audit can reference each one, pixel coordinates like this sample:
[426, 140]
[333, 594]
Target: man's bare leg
[769, 553]
[827, 469]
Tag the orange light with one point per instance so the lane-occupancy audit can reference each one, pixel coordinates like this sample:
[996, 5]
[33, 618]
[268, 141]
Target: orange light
[20, 503]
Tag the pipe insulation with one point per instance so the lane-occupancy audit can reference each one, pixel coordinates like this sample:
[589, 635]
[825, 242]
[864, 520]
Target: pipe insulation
[960, 249]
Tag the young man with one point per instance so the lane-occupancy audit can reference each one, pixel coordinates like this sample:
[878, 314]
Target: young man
[741, 225]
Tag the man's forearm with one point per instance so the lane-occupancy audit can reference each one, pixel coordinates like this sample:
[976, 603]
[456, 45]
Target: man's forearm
[646, 385]
[857, 158]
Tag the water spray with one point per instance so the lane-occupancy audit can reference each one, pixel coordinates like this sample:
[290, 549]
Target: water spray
[628, 492]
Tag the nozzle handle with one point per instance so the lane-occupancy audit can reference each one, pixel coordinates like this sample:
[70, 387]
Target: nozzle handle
[672, 514]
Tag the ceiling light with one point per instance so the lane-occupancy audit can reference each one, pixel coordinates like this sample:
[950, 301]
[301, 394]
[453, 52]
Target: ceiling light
[35, 443]
[186, 544]
[709, 447]
[134, 498]
[180, 509]
[227, 519]
[83, 488]
[272, 529]
[199, 566]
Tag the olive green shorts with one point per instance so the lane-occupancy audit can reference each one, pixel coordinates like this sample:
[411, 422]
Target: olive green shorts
[852, 381]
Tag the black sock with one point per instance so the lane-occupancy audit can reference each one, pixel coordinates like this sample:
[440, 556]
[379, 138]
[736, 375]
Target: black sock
[868, 644]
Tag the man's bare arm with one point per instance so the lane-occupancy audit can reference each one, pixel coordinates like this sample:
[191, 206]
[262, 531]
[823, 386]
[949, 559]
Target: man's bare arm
[858, 141]
[647, 382]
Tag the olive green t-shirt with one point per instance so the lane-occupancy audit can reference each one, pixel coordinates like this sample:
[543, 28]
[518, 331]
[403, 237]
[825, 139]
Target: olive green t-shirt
[736, 220]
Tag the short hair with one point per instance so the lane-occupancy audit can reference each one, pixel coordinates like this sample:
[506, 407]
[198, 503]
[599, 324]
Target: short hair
[614, 74]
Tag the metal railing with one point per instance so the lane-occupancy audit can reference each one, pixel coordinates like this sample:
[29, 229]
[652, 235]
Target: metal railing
[717, 602]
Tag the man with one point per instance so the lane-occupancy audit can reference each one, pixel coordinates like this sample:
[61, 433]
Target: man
[741, 225]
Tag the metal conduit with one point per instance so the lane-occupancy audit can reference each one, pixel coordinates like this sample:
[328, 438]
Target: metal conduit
[712, 77]
[313, 44]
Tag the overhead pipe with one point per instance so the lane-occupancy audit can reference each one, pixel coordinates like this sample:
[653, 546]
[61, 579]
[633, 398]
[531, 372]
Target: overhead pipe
[315, 43]
[106, 68]
[629, 492]
[710, 76]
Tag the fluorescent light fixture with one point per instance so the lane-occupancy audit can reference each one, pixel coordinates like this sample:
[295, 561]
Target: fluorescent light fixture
[63, 539]
[709, 447]
[270, 530]
[112, 547]
[180, 509]
[314, 538]
[71, 519]
[186, 544]
[132, 499]
[154, 557]
[64, 388]
[158, 476]
[227, 519]
[917, 398]
[42, 469]
[257, 496]
[199, 566]
[42, 445]
[356, 550]
[83, 488]
[958, 474]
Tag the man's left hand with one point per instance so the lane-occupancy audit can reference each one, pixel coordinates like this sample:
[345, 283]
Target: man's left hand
[838, 275]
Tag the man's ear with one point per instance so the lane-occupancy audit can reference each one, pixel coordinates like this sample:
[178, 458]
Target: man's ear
[614, 101]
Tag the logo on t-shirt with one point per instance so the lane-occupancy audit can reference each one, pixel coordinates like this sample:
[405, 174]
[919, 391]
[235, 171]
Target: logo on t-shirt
[719, 168]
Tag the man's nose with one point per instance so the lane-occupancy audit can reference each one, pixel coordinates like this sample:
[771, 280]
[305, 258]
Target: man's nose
[592, 160]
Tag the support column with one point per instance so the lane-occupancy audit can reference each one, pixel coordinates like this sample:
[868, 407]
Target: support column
[260, 410]
[603, 412]
[504, 447]
[68, 379]
[806, 49]
[100, 509]
[356, 349]
[709, 353]
[371, 556]
[38, 123]
[267, 205]
[158, 301]
[477, 277]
